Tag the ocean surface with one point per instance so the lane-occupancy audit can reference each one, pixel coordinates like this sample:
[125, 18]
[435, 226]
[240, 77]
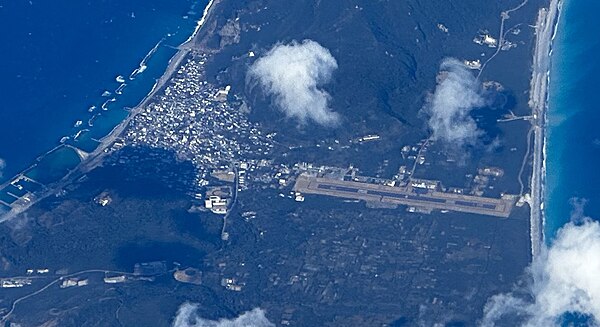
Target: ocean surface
[573, 148]
[61, 61]
[60, 68]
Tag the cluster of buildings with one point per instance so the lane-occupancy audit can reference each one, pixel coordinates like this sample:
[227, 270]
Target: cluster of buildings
[17, 282]
[14, 282]
[200, 122]
[484, 38]
[103, 199]
[217, 200]
[74, 282]
[232, 284]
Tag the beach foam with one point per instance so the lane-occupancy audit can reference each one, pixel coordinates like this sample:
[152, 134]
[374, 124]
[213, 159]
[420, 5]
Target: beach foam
[572, 155]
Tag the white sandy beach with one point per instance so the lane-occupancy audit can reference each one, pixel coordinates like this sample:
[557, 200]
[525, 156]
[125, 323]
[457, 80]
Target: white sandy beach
[545, 31]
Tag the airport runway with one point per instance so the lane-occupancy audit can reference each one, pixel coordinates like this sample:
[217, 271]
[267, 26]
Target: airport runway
[405, 196]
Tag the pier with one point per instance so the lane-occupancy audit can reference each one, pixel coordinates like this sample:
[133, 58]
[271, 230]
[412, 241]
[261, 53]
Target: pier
[92, 159]
[82, 154]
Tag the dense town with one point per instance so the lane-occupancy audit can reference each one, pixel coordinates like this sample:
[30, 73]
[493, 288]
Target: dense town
[200, 122]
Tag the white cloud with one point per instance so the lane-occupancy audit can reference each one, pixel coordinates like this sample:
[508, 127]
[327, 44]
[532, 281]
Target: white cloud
[564, 279]
[292, 74]
[187, 316]
[450, 106]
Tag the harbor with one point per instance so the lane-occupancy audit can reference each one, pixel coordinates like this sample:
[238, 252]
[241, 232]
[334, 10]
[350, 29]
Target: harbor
[56, 168]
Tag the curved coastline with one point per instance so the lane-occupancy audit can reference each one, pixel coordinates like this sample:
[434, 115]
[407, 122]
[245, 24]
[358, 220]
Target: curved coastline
[546, 26]
[95, 158]
[546, 23]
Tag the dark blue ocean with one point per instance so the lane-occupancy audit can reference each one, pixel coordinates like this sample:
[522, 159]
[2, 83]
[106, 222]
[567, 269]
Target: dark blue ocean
[59, 57]
[573, 148]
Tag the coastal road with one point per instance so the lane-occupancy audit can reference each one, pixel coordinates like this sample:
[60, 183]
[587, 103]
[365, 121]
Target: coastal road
[545, 27]
[95, 158]
[505, 15]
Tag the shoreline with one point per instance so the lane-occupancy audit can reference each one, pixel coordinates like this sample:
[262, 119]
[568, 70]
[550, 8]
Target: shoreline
[95, 158]
[546, 25]
[200, 22]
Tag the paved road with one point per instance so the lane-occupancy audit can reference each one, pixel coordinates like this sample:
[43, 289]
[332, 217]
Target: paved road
[545, 26]
[405, 196]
